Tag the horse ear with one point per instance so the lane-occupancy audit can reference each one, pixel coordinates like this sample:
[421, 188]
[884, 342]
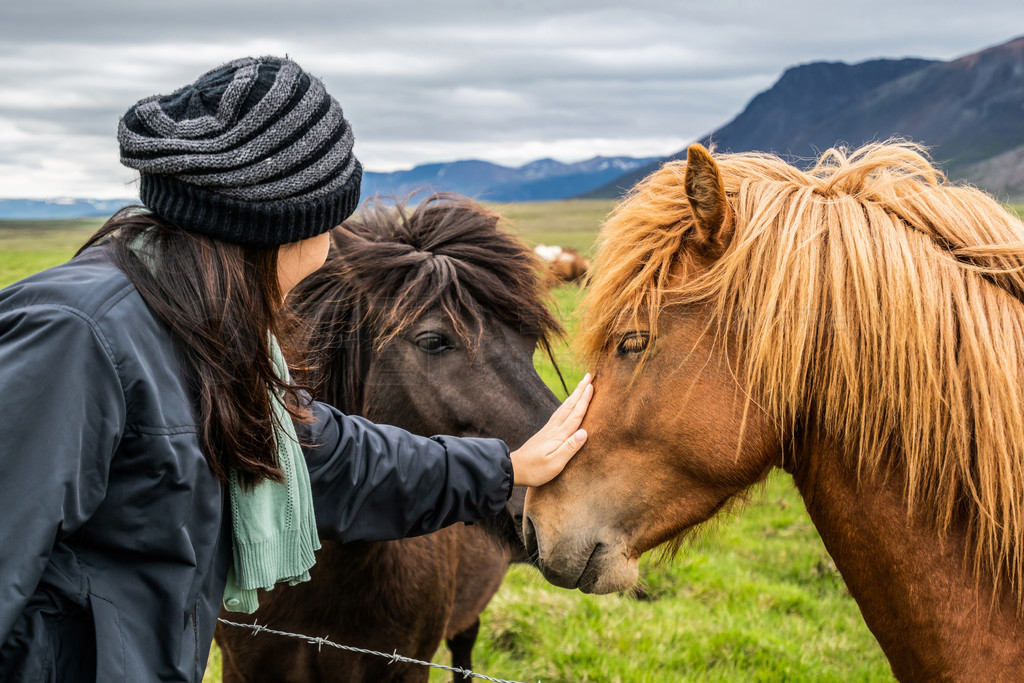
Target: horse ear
[706, 193]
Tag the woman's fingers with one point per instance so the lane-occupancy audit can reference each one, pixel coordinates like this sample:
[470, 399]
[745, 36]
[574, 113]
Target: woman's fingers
[563, 411]
[580, 409]
[534, 466]
[574, 417]
[543, 456]
[570, 446]
[573, 420]
[564, 453]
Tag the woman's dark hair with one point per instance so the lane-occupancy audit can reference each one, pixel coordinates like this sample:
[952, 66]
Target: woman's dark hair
[221, 301]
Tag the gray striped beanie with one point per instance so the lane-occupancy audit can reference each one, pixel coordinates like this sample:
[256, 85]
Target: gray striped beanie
[254, 152]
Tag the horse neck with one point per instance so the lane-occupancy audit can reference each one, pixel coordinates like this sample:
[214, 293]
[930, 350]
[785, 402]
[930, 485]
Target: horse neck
[351, 563]
[916, 593]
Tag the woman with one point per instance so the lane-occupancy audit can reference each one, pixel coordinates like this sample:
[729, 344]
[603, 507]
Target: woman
[149, 441]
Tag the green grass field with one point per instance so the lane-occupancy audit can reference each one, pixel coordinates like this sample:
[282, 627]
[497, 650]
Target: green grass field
[755, 598]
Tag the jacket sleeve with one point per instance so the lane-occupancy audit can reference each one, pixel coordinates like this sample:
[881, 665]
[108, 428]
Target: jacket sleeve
[62, 412]
[374, 482]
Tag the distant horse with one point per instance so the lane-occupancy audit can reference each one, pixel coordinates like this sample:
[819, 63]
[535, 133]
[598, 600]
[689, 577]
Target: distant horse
[861, 326]
[429, 321]
[563, 264]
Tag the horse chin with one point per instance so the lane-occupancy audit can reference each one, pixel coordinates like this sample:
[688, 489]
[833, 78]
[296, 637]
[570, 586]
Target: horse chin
[613, 574]
[601, 570]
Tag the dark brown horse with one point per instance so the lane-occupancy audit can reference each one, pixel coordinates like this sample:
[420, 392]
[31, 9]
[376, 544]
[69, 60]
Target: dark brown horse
[859, 325]
[429, 321]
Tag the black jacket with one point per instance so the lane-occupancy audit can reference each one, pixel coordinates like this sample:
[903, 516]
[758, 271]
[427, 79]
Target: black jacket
[115, 537]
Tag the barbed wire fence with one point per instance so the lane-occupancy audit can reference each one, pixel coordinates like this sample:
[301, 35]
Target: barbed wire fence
[394, 656]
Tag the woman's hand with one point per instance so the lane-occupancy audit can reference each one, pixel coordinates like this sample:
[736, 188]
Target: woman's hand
[543, 456]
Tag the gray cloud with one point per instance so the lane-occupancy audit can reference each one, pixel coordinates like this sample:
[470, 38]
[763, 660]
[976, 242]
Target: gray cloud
[508, 81]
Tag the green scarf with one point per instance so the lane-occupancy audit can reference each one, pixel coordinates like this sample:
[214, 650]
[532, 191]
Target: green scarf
[273, 530]
[273, 527]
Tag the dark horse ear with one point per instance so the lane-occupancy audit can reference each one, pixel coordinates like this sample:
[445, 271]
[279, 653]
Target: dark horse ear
[706, 192]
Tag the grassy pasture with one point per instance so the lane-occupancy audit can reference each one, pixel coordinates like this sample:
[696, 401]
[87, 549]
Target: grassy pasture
[569, 223]
[27, 247]
[756, 597]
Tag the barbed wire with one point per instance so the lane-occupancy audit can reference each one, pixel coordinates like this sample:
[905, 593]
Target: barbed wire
[394, 656]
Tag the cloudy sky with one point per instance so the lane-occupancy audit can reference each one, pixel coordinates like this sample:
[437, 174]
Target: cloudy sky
[504, 80]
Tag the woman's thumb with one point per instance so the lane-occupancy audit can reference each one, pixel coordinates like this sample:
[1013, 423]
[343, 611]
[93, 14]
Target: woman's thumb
[572, 444]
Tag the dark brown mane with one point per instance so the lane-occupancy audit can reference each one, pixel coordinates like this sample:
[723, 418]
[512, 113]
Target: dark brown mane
[389, 265]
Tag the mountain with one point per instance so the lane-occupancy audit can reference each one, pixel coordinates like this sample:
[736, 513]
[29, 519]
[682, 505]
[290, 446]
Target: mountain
[1005, 171]
[537, 180]
[64, 207]
[778, 120]
[470, 177]
[969, 112]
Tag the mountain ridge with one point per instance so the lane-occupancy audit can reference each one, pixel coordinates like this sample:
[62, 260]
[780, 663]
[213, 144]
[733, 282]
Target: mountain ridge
[537, 180]
[60, 207]
[967, 111]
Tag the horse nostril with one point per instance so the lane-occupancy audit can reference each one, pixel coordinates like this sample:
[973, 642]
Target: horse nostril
[530, 539]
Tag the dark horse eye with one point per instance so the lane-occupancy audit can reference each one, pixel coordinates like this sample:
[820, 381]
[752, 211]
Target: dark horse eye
[633, 342]
[432, 342]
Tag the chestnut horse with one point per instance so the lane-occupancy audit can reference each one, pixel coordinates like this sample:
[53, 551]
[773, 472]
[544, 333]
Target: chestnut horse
[428, 321]
[859, 325]
[563, 264]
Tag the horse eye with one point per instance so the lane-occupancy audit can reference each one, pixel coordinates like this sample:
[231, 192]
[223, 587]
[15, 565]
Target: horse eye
[432, 342]
[633, 342]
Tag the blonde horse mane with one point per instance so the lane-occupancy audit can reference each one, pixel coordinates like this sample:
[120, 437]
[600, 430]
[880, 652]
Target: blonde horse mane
[866, 296]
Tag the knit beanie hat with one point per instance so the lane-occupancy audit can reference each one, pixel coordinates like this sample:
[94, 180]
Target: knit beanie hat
[255, 152]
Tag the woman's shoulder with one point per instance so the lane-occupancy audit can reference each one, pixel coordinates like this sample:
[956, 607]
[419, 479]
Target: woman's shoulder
[88, 285]
[89, 288]
[89, 303]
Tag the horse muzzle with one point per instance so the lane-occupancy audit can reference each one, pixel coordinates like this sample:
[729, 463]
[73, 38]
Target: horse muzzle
[595, 563]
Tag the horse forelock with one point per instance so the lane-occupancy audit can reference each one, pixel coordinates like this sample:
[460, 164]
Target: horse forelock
[865, 295]
[390, 265]
[448, 253]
